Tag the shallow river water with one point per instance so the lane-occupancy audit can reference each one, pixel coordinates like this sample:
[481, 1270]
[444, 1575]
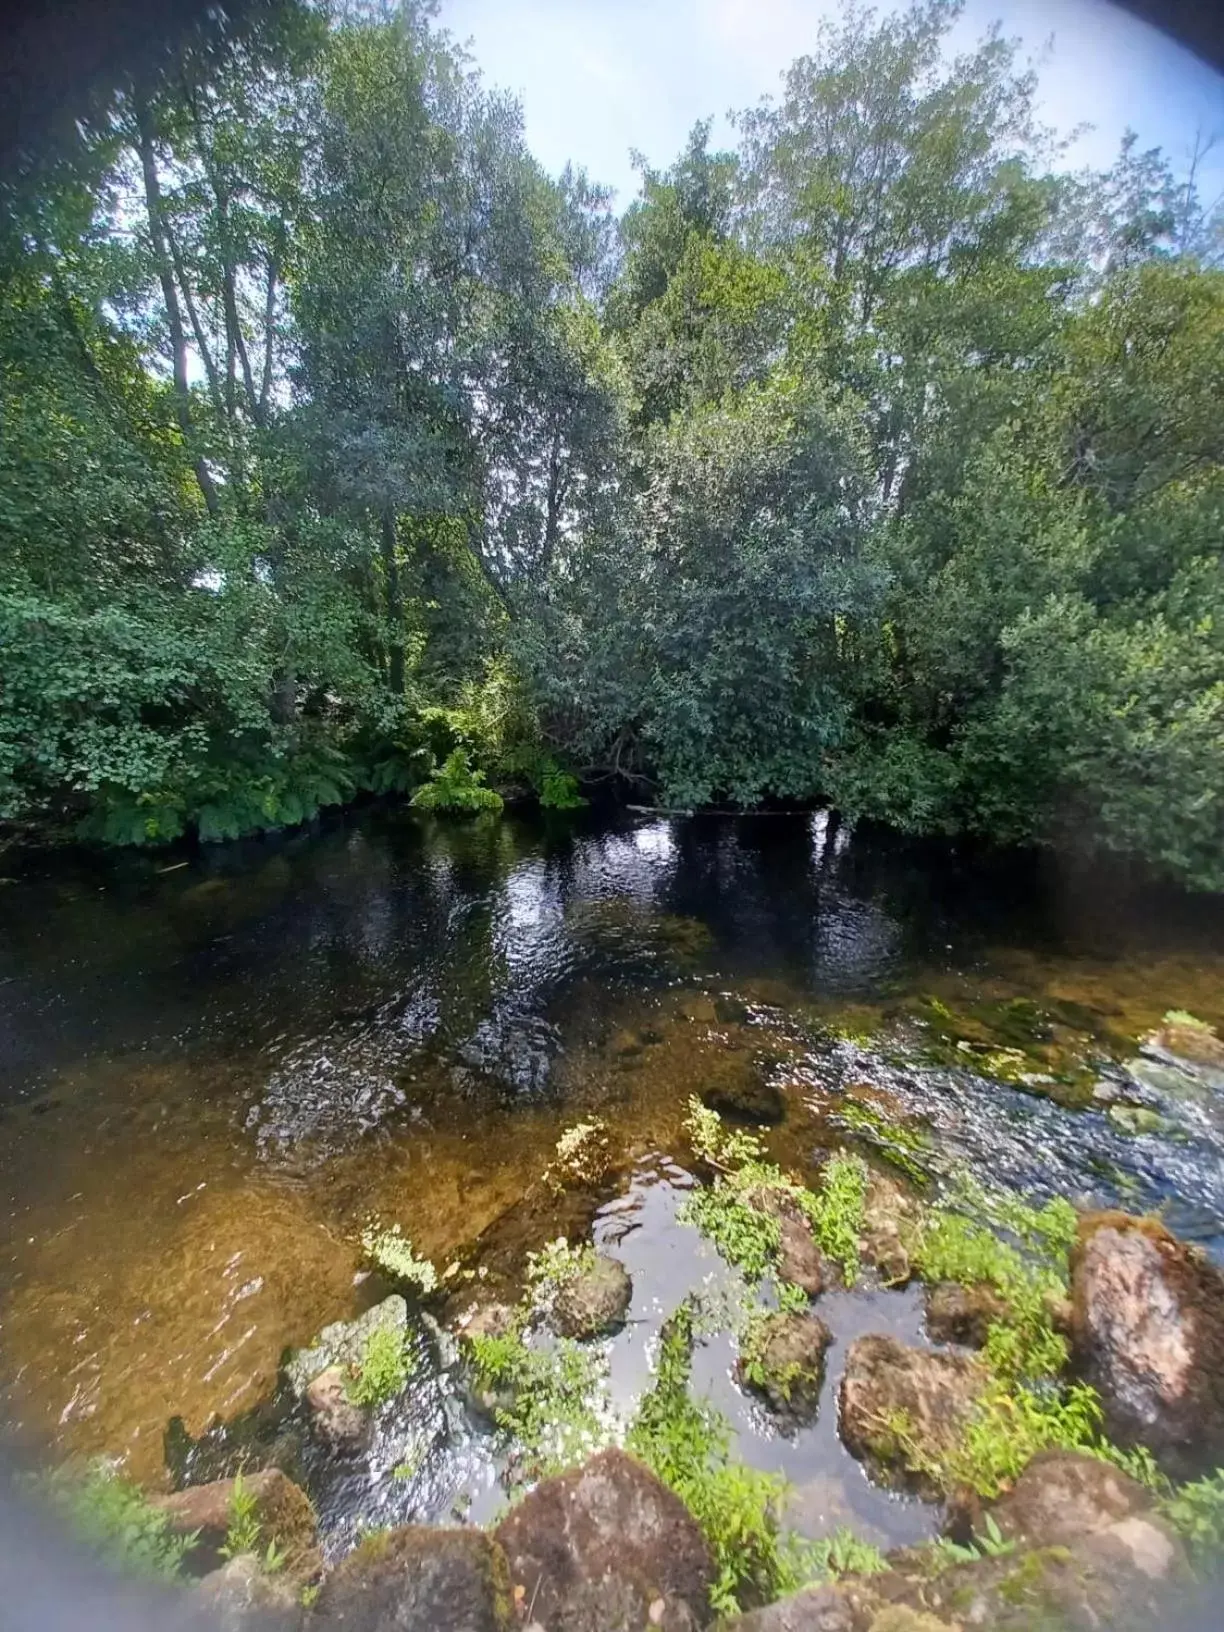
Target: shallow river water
[212, 1074]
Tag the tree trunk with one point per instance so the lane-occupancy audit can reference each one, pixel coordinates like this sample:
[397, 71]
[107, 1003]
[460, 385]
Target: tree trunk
[395, 605]
[174, 316]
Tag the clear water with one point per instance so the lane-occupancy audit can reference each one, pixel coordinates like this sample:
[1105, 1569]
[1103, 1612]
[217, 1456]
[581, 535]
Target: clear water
[212, 1074]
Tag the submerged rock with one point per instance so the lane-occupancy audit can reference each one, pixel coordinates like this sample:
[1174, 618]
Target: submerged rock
[746, 1098]
[963, 1314]
[243, 1595]
[1138, 1119]
[419, 1579]
[785, 1363]
[594, 1301]
[730, 1010]
[1148, 1334]
[488, 1320]
[899, 1404]
[1188, 1042]
[608, 1548]
[282, 1509]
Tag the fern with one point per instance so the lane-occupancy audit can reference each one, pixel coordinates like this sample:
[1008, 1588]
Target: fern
[457, 789]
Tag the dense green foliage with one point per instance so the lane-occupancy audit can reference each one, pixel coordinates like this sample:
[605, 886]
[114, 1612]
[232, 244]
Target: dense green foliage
[877, 460]
[114, 1520]
[383, 1369]
[686, 1442]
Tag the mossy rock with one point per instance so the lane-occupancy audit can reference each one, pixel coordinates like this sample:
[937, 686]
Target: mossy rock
[739, 1091]
[593, 1302]
[283, 1511]
[1148, 1334]
[608, 1548]
[419, 1579]
[1189, 1041]
[344, 1342]
[783, 1361]
[903, 1409]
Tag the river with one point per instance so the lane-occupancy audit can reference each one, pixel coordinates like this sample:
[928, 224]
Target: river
[215, 1072]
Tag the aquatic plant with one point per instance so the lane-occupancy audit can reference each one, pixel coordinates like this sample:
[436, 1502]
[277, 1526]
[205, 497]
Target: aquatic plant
[686, 1443]
[990, 1542]
[717, 1145]
[948, 1246]
[583, 1156]
[552, 1402]
[555, 1265]
[243, 1527]
[390, 1250]
[383, 1369]
[456, 789]
[746, 1234]
[754, 1363]
[745, 1237]
[113, 1518]
[835, 1211]
[844, 1553]
[902, 1147]
[1026, 1404]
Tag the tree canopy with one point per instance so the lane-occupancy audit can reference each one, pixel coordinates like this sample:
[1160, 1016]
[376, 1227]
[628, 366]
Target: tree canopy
[877, 460]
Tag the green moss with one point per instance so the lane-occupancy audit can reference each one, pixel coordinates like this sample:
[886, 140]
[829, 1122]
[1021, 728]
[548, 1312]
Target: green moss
[1015, 1042]
[900, 1146]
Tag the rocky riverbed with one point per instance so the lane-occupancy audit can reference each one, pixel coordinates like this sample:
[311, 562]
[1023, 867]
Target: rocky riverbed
[1051, 1426]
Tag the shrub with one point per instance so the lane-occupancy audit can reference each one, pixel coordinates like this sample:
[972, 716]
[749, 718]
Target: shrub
[1196, 1511]
[455, 788]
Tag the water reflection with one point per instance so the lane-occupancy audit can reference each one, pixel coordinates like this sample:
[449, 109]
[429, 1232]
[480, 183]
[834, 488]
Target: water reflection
[211, 1077]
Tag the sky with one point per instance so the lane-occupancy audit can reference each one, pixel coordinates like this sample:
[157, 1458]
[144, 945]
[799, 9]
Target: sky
[599, 77]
